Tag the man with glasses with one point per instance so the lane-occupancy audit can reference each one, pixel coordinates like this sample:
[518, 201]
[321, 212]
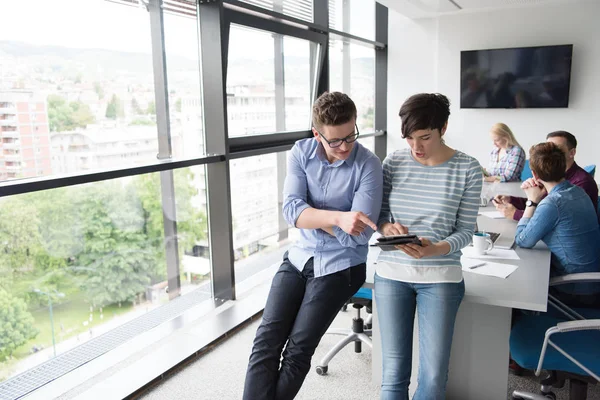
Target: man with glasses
[332, 193]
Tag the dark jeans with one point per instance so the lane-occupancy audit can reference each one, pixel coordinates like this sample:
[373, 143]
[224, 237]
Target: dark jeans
[299, 310]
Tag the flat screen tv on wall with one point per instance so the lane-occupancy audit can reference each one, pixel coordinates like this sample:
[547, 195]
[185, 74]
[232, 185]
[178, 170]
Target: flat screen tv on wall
[525, 77]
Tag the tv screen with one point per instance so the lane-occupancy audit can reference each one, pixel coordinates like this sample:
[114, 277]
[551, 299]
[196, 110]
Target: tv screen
[526, 77]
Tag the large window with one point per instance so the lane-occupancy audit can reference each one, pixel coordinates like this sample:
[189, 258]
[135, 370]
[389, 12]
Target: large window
[81, 96]
[183, 76]
[260, 235]
[301, 9]
[268, 83]
[143, 142]
[81, 261]
[352, 71]
[356, 17]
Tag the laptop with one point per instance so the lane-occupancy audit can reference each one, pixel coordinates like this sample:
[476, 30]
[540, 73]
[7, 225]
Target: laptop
[500, 241]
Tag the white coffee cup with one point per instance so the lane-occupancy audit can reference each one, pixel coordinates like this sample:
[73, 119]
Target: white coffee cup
[482, 243]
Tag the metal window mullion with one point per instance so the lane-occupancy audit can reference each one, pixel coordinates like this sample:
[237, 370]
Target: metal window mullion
[381, 71]
[272, 14]
[356, 39]
[346, 63]
[160, 79]
[21, 186]
[214, 36]
[258, 22]
[319, 55]
[279, 69]
[167, 183]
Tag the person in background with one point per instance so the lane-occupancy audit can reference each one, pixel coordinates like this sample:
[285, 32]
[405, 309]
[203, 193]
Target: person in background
[332, 193]
[513, 207]
[432, 191]
[507, 160]
[565, 220]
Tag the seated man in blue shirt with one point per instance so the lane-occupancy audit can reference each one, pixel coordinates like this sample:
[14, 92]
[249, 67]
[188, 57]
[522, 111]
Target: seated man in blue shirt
[565, 221]
[332, 193]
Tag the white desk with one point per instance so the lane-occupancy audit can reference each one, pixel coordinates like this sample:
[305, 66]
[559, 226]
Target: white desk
[480, 349]
[505, 188]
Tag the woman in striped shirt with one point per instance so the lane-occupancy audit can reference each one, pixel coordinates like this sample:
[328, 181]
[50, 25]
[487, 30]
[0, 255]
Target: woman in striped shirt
[432, 191]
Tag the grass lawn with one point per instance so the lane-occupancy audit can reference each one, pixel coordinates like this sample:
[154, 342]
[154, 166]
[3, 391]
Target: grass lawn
[71, 315]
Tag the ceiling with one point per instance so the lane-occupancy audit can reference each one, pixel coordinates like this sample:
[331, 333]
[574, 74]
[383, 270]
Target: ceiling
[434, 8]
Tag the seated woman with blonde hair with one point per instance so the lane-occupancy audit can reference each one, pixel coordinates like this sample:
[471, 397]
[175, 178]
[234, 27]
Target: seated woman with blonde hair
[507, 160]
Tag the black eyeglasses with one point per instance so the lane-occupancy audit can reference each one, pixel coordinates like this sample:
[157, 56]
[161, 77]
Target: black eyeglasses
[338, 142]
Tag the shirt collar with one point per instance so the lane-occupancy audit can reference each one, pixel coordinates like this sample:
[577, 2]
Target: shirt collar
[560, 186]
[571, 171]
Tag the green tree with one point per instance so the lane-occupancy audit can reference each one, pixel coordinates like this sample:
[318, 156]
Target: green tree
[114, 109]
[151, 110]
[66, 117]
[99, 90]
[19, 239]
[191, 222]
[81, 114]
[135, 106]
[369, 118]
[116, 250]
[17, 324]
[142, 122]
[105, 239]
[38, 239]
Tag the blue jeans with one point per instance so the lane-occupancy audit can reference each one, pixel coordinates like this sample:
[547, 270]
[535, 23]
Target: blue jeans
[436, 305]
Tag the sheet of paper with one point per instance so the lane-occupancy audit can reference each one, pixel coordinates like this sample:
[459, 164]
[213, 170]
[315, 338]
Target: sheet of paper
[490, 268]
[495, 254]
[492, 214]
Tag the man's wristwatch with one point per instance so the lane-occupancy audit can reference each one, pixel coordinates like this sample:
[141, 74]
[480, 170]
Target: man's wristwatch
[530, 203]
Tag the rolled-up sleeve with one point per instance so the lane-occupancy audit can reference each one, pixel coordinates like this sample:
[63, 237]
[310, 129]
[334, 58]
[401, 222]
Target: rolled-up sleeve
[295, 188]
[386, 215]
[467, 210]
[532, 230]
[367, 199]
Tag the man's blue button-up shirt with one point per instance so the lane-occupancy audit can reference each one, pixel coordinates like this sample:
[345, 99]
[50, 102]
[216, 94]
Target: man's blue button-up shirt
[354, 184]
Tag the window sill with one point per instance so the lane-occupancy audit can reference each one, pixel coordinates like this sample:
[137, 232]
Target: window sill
[137, 363]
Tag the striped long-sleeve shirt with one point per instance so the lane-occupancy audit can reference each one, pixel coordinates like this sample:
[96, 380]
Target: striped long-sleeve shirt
[437, 202]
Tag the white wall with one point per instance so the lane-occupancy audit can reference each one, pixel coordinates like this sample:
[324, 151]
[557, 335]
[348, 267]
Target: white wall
[411, 67]
[517, 27]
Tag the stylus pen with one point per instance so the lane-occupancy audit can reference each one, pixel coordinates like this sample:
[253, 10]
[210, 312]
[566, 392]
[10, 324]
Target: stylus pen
[477, 265]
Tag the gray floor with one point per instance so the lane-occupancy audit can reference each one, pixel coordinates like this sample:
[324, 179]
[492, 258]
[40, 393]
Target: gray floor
[219, 374]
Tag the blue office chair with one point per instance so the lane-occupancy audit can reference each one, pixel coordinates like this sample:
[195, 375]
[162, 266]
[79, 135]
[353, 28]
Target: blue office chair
[590, 169]
[360, 333]
[526, 174]
[564, 341]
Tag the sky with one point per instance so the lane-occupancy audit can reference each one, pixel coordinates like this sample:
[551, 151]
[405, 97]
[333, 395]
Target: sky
[101, 24]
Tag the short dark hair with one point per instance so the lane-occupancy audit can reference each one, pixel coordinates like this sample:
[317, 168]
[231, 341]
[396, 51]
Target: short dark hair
[548, 162]
[569, 137]
[424, 111]
[333, 108]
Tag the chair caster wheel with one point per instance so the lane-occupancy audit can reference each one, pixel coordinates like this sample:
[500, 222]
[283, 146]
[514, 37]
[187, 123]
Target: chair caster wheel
[550, 395]
[322, 370]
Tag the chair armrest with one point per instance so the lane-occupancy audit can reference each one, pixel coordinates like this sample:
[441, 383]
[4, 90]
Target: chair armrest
[585, 277]
[562, 327]
[585, 325]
